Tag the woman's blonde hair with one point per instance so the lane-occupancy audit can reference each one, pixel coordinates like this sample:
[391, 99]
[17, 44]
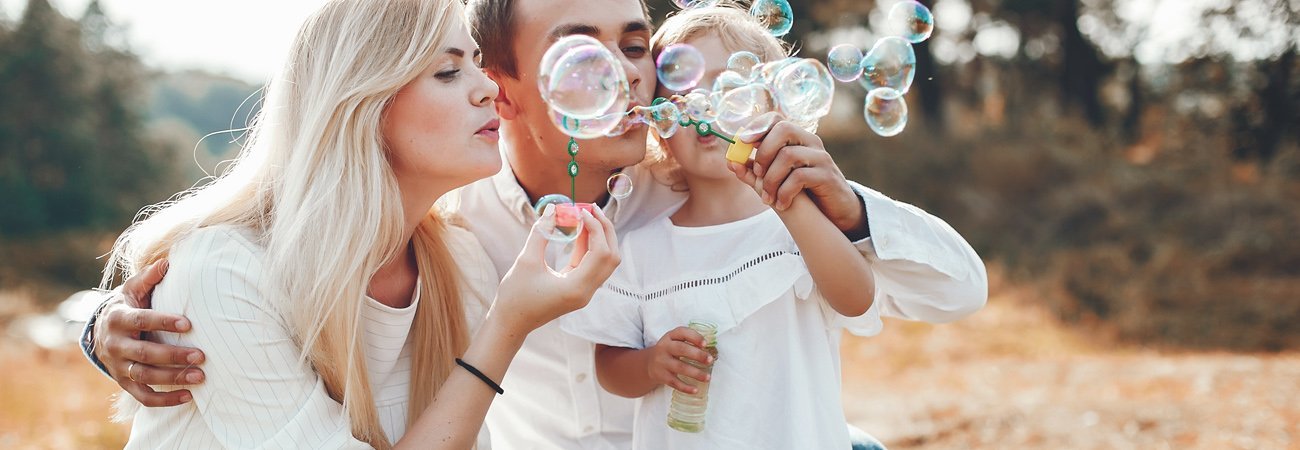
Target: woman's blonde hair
[315, 182]
[737, 30]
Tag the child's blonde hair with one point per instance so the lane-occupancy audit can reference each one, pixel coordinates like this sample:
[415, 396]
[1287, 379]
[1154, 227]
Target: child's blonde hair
[738, 31]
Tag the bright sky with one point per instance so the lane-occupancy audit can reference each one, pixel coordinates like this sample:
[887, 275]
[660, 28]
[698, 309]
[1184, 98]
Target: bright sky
[243, 38]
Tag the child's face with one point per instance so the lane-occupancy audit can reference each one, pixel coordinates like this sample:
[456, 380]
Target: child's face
[701, 156]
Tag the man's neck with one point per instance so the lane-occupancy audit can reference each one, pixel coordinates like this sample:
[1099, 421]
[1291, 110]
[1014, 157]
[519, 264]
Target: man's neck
[540, 174]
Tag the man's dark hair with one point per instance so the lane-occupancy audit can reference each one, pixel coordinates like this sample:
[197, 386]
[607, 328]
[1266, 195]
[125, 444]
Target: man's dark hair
[492, 23]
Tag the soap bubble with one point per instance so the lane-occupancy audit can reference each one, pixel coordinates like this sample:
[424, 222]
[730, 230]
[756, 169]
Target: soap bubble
[585, 82]
[845, 62]
[608, 124]
[891, 63]
[743, 63]
[743, 104]
[767, 71]
[680, 67]
[776, 15]
[699, 107]
[563, 223]
[728, 80]
[619, 185]
[885, 111]
[664, 118]
[804, 90]
[911, 21]
[553, 54]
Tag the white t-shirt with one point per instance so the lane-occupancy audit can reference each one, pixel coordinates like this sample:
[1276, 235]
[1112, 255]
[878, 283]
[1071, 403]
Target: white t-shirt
[776, 382]
[258, 392]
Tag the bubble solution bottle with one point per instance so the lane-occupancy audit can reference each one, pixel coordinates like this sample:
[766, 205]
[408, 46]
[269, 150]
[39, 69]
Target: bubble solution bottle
[686, 413]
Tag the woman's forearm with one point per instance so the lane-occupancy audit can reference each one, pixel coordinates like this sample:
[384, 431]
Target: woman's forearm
[454, 418]
[838, 269]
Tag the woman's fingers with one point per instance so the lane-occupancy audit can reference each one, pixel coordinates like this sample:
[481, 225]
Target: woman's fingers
[601, 257]
[610, 235]
[535, 246]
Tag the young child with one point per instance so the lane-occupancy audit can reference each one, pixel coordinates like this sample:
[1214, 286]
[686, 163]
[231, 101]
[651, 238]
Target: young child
[778, 285]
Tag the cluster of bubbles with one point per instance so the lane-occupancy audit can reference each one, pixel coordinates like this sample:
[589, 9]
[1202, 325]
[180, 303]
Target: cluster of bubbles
[885, 71]
[589, 96]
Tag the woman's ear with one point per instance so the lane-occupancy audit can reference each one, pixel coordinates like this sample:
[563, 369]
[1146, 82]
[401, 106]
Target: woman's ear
[505, 106]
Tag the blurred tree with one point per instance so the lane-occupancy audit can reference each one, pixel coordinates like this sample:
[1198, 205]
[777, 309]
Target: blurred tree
[71, 144]
[129, 169]
[44, 145]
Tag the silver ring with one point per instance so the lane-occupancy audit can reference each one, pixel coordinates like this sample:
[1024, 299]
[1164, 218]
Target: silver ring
[130, 372]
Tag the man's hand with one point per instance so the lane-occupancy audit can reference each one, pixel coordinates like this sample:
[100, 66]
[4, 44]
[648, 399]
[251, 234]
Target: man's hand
[790, 160]
[136, 363]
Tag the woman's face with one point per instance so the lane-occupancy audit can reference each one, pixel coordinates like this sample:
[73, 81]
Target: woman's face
[441, 128]
[703, 156]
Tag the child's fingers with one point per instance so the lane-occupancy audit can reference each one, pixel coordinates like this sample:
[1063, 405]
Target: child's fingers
[686, 334]
[681, 369]
[680, 385]
[681, 349]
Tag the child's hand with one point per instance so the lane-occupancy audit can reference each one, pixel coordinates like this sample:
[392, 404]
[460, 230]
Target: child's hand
[665, 363]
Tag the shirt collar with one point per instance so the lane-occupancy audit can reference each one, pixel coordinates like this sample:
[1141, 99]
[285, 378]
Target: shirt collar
[516, 200]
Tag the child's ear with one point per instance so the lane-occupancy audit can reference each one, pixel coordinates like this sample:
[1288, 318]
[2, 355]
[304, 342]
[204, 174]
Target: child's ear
[505, 106]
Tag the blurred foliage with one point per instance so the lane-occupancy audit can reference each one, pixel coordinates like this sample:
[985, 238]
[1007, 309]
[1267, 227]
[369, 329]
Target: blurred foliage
[88, 136]
[71, 140]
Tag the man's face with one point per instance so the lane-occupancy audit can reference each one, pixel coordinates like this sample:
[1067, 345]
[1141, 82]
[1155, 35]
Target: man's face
[623, 28]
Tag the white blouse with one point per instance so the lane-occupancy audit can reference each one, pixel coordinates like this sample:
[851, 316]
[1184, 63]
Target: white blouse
[776, 382]
[258, 391]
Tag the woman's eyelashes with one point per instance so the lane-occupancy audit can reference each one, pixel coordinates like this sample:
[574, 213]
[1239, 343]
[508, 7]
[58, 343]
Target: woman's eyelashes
[448, 75]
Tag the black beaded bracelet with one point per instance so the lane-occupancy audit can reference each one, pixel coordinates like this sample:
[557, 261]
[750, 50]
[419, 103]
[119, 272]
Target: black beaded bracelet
[490, 383]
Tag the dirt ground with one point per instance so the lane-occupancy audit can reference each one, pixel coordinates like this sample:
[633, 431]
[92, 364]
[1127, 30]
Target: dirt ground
[1008, 377]
[1011, 377]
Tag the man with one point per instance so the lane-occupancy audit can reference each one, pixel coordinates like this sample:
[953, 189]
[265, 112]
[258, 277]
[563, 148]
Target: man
[925, 270]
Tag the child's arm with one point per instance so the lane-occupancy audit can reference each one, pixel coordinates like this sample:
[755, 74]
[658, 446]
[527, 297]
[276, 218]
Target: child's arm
[839, 271]
[633, 373]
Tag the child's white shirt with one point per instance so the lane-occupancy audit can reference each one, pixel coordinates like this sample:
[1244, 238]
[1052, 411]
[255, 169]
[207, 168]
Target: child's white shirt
[776, 382]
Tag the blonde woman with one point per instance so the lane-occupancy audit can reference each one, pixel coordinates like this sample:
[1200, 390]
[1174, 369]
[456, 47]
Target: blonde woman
[335, 305]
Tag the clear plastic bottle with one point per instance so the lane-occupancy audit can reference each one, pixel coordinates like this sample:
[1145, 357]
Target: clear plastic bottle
[686, 413]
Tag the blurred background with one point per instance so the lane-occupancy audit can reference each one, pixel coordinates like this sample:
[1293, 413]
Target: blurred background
[1128, 170]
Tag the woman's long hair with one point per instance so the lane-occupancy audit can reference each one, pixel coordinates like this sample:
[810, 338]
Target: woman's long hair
[316, 183]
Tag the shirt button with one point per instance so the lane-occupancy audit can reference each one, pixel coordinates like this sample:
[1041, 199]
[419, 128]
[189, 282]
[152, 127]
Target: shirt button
[581, 377]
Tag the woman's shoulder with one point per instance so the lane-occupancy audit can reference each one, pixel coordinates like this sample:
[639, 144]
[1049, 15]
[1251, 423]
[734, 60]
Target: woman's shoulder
[217, 257]
[217, 240]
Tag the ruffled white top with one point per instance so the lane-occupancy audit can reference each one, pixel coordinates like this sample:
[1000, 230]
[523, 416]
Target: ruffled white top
[776, 382]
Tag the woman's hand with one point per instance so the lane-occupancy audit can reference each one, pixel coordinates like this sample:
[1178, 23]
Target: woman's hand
[666, 366]
[532, 294]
